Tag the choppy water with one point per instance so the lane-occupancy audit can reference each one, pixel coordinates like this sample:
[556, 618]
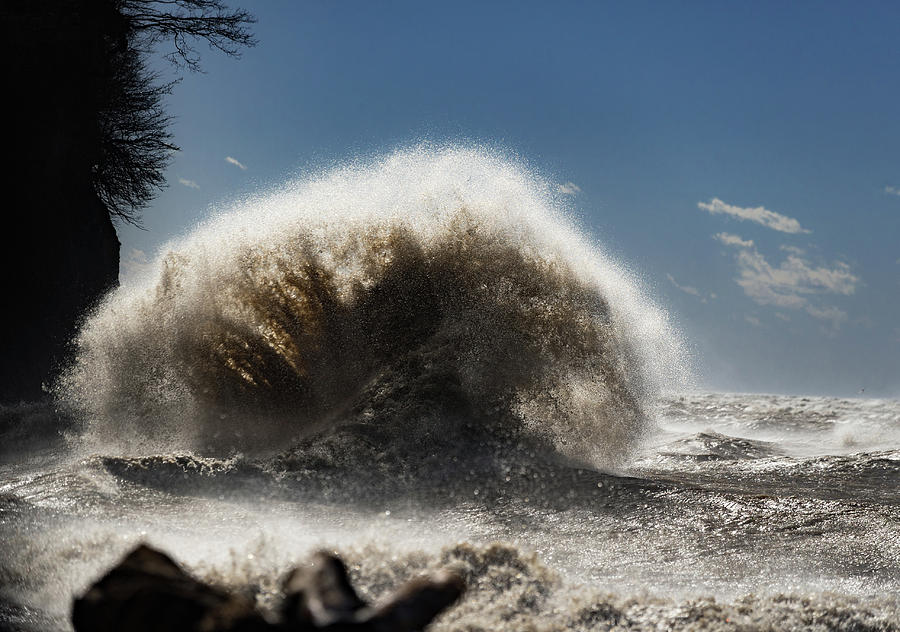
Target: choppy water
[745, 512]
[420, 362]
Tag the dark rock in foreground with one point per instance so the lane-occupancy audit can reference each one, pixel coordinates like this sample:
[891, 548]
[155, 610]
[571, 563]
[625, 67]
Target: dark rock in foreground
[148, 591]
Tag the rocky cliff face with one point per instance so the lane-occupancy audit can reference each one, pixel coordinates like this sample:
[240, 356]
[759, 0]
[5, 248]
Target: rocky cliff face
[58, 248]
[56, 269]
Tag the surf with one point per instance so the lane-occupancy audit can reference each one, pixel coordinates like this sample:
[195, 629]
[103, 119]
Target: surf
[423, 292]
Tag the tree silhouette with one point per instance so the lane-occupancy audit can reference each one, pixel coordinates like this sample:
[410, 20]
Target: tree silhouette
[134, 144]
[86, 142]
[183, 22]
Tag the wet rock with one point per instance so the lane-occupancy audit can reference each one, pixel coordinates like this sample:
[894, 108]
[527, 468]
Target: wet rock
[319, 596]
[148, 591]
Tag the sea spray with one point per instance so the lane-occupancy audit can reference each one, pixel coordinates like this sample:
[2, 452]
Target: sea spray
[448, 284]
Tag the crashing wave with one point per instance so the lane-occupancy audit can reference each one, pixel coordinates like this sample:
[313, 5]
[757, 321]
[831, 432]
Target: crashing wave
[432, 288]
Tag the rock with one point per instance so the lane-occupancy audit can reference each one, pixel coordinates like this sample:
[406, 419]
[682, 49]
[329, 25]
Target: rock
[148, 591]
[320, 596]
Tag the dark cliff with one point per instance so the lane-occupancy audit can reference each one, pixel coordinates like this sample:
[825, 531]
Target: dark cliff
[60, 252]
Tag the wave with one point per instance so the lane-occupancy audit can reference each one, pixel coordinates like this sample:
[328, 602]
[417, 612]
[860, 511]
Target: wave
[427, 291]
[511, 589]
[714, 446]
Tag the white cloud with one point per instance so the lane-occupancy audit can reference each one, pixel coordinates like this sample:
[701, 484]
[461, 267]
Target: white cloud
[687, 289]
[832, 315]
[892, 190]
[189, 183]
[684, 288]
[753, 320]
[733, 240]
[792, 249]
[569, 188]
[758, 214]
[792, 281]
[235, 162]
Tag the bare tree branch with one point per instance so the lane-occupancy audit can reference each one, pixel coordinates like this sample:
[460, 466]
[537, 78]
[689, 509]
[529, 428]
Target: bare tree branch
[135, 144]
[184, 22]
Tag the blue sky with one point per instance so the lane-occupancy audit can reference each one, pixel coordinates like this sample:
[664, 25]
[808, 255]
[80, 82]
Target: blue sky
[742, 158]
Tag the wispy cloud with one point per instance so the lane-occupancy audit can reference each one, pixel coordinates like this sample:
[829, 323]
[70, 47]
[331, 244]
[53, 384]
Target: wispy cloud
[235, 162]
[789, 284]
[793, 283]
[733, 240]
[892, 190]
[832, 315]
[688, 289]
[189, 183]
[569, 188]
[758, 214]
[753, 320]
[792, 249]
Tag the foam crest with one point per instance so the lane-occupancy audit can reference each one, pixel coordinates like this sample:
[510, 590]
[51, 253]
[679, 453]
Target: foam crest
[448, 282]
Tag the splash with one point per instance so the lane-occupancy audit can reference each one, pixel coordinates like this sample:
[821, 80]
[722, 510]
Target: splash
[431, 288]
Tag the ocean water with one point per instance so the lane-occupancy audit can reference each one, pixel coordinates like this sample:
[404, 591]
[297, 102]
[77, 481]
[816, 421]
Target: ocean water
[420, 362]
